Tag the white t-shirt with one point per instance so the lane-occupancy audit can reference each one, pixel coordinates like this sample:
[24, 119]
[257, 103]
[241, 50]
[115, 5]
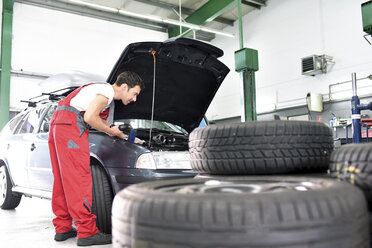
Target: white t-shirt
[87, 94]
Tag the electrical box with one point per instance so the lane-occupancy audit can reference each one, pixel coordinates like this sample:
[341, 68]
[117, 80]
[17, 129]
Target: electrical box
[246, 59]
[367, 17]
[314, 102]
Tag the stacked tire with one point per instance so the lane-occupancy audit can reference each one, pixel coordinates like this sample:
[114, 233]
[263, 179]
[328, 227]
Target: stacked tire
[262, 147]
[254, 190]
[352, 163]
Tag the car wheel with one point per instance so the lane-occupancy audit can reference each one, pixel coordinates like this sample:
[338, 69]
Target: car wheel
[102, 198]
[261, 147]
[8, 199]
[264, 211]
[370, 228]
[353, 163]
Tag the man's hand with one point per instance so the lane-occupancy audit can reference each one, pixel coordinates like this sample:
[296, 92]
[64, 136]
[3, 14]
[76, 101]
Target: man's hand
[116, 132]
[138, 141]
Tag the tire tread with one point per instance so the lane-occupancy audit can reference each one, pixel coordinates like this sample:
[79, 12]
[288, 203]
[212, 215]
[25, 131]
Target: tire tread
[266, 147]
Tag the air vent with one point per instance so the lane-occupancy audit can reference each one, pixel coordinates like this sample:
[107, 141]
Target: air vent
[307, 64]
[316, 64]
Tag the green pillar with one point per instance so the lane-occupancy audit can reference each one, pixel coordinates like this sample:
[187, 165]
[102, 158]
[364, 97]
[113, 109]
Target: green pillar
[246, 63]
[249, 89]
[6, 54]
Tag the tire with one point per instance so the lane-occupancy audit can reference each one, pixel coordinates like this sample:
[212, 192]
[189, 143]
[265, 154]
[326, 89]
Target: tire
[102, 198]
[353, 163]
[8, 199]
[261, 147]
[237, 212]
[370, 228]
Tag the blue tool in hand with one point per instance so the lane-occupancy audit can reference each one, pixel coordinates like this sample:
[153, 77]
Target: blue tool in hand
[127, 128]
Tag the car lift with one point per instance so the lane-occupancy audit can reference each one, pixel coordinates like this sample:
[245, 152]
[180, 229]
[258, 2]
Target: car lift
[356, 108]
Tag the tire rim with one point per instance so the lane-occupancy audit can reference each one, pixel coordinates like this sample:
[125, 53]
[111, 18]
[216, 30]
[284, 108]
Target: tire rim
[3, 185]
[239, 187]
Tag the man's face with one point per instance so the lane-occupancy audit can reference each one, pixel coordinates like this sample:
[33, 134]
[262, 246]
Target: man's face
[129, 95]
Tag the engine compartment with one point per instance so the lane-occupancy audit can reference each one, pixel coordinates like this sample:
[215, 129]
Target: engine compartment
[163, 140]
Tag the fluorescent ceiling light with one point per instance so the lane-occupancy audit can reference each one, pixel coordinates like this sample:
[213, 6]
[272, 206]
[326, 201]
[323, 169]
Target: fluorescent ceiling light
[151, 18]
[141, 16]
[95, 6]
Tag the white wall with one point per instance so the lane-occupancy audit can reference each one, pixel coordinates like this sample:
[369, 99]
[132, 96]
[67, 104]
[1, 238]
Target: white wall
[284, 32]
[49, 41]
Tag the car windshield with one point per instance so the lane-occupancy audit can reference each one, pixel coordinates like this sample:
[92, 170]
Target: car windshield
[146, 124]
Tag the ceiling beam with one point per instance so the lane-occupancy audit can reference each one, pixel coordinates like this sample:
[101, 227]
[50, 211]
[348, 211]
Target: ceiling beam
[184, 10]
[254, 3]
[206, 13]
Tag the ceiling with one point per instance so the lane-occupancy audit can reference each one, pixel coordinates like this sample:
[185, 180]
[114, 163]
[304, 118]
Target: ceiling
[167, 9]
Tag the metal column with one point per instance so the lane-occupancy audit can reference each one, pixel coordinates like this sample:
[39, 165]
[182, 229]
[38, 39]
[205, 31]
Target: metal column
[246, 62]
[356, 109]
[249, 87]
[6, 54]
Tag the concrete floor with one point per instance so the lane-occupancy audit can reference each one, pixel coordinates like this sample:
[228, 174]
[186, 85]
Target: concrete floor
[30, 226]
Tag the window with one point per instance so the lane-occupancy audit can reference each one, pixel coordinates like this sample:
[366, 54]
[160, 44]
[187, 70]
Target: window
[9, 128]
[24, 126]
[47, 118]
[31, 121]
[146, 124]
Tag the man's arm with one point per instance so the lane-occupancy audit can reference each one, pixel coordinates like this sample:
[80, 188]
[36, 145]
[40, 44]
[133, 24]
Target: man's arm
[92, 117]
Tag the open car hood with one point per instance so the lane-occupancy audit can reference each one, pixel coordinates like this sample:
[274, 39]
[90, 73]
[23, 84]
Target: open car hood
[188, 75]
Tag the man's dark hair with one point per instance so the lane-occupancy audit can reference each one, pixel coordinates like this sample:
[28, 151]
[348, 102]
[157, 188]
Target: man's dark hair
[130, 78]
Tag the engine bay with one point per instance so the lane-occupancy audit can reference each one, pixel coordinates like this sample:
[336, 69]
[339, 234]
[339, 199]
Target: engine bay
[162, 140]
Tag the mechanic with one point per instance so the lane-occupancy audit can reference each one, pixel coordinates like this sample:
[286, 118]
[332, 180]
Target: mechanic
[69, 153]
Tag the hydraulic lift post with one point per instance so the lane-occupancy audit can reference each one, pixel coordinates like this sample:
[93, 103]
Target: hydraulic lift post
[246, 62]
[356, 107]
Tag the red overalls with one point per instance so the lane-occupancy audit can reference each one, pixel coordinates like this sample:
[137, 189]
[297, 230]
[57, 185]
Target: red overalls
[70, 157]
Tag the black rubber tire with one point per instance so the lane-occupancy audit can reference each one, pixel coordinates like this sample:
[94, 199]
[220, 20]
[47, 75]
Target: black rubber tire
[353, 163]
[102, 198]
[370, 228]
[261, 147]
[181, 213]
[8, 199]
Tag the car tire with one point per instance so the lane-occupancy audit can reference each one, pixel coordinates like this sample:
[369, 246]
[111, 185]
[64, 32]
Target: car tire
[370, 228]
[102, 198]
[8, 199]
[256, 211]
[353, 163]
[261, 147]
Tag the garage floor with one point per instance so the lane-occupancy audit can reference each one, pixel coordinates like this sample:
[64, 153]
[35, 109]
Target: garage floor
[30, 226]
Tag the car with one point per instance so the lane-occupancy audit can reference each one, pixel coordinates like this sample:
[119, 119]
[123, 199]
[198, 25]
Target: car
[181, 78]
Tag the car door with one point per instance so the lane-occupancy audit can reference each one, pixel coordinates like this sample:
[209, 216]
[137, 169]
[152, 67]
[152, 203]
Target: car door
[17, 147]
[39, 165]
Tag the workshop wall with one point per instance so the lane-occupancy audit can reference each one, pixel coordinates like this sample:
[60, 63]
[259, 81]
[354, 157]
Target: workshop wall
[283, 32]
[49, 41]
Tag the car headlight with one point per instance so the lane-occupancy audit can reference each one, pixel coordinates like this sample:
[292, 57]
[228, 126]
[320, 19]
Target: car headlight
[146, 161]
[164, 160]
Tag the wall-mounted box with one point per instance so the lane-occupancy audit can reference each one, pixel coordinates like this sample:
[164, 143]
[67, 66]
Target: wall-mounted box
[246, 59]
[367, 17]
